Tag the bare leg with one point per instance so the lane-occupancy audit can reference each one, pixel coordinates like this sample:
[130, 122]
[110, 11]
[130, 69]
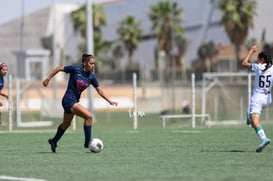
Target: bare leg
[255, 123]
[255, 120]
[87, 127]
[67, 118]
[81, 111]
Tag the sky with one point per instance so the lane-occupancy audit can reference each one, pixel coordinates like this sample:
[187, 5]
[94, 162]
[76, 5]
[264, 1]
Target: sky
[15, 8]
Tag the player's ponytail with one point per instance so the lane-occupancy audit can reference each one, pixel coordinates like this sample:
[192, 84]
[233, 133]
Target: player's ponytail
[267, 58]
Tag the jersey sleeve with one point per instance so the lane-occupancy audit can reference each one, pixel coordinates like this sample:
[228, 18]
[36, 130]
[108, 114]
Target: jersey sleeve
[69, 69]
[257, 67]
[250, 67]
[95, 82]
[254, 67]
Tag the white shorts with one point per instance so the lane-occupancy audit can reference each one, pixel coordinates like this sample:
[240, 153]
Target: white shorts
[258, 102]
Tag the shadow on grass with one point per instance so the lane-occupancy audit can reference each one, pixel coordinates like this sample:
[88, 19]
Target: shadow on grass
[45, 152]
[227, 151]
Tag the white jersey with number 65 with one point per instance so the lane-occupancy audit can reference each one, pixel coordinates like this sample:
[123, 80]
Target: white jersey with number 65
[261, 94]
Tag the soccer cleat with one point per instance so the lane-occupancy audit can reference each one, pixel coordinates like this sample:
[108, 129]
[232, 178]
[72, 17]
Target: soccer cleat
[87, 145]
[248, 120]
[52, 145]
[265, 142]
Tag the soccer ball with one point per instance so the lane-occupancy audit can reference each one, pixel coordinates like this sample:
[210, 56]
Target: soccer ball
[96, 145]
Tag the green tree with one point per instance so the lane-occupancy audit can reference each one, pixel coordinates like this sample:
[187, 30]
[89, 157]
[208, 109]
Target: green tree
[99, 19]
[206, 53]
[166, 19]
[130, 33]
[118, 51]
[181, 43]
[237, 18]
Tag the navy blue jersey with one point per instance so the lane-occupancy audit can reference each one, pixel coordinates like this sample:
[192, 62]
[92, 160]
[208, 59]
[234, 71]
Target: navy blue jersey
[1, 83]
[78, 81]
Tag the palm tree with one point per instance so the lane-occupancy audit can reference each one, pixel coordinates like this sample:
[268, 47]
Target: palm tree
[206, 53]
[130, 34]
[79, 20]
[118, 51]
[99, 19]
[181, 43]
[237, 17]
[166, 18]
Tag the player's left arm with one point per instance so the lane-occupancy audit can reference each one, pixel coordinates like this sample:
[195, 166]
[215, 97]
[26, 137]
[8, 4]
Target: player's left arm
[102, 94]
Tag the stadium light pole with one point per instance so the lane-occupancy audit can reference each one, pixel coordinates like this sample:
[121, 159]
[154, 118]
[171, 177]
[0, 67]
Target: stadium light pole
[22, 25]
[55, 47]
[90, 48]
[173, 52]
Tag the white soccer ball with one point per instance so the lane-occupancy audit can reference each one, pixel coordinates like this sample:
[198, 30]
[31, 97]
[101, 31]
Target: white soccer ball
[96, 145]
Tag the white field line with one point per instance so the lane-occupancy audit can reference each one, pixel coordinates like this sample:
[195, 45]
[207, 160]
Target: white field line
[27, 131]
[34, 131]
[133, 131]
[5, 177]
[186, 131]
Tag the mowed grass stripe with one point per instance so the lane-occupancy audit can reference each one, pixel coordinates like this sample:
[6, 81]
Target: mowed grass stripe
[213, 154]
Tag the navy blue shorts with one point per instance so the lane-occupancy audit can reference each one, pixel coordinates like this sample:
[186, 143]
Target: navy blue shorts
[68, 103]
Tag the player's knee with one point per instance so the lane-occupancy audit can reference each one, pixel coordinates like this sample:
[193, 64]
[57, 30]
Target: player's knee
[88, 119]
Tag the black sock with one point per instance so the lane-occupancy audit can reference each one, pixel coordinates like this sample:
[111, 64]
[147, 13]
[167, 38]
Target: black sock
[58, 135]
[87, 135]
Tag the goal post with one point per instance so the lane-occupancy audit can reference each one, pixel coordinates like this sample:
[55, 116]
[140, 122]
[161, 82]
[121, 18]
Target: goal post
[210, 80]
[10, 103]
[135, 116]
[193, 100]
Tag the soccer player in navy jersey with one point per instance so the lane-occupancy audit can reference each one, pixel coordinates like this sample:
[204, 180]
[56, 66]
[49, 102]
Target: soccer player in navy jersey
[80, 78]
[3, 73]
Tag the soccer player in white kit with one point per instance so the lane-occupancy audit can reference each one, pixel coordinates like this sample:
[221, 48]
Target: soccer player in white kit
[261, 93]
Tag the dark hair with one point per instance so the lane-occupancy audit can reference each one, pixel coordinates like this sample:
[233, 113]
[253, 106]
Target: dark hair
[86, 57]
[267, 58]
[2, 65]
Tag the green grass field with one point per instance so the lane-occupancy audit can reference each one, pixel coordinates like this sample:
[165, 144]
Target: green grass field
[150, 153]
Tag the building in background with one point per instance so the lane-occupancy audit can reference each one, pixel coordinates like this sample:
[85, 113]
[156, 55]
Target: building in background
[201, 22]
[23, 35]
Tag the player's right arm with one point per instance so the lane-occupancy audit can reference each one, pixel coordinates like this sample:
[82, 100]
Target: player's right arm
[52, 74]
[245, 62]
[3, 94]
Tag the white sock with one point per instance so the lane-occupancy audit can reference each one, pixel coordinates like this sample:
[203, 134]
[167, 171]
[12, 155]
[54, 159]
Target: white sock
[261, 134]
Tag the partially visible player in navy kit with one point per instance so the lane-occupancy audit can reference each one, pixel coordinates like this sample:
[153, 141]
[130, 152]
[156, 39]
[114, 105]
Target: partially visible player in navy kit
[3, 73]
[80, 78]
[261, 93]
